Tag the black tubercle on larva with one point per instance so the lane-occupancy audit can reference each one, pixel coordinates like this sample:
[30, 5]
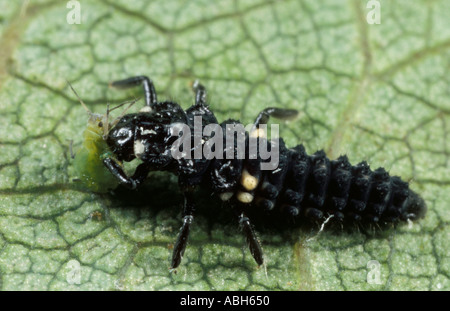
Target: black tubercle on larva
[314, 187]
[302, 187]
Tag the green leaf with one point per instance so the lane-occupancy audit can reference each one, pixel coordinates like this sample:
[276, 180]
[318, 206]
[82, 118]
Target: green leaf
[376, 92]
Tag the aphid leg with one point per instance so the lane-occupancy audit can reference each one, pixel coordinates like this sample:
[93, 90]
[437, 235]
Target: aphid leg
[188, 218]
[200, 93]
[117, 171]
[72, 155]
[149, 88]
[252, 240]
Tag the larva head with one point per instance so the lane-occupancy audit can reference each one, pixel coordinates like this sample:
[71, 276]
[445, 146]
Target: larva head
[147, 135]
[121, 138]
[142, 136]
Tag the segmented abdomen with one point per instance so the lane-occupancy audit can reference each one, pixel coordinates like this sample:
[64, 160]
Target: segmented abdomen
[315, 187]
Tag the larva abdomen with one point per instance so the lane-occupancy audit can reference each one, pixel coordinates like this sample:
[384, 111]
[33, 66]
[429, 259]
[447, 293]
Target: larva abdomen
[315, 187]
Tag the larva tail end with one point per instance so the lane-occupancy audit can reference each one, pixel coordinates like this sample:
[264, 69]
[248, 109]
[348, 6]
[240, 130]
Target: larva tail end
[417, 207]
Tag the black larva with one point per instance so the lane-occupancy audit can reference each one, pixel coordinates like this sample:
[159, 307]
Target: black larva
[303, 186]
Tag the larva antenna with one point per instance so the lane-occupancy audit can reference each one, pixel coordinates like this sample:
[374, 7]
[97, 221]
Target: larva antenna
[106, 127]
[123, 112]
[124, 103]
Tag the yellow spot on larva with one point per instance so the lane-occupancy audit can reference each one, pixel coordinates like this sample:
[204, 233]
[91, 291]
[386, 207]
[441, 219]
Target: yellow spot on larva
[258, 133]
[225, 196]
[244, 197]
[248, 181]
[146, 109]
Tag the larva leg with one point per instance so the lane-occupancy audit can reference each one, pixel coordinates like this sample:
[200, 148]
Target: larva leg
[252, 240]
[117, 171]
[188, 218]
[200, 93]
[147, 84]
[278, 113]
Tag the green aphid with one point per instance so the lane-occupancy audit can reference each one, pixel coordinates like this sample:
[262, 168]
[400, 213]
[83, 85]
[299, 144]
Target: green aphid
[88, 160]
